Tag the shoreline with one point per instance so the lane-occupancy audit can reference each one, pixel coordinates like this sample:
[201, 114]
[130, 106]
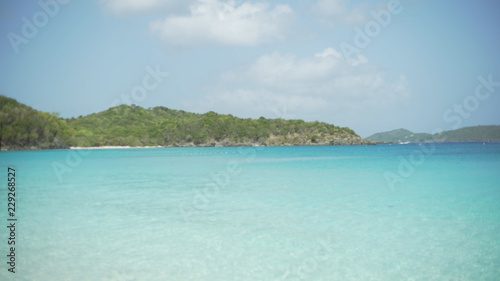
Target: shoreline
[32, 148]
[209, 146]
[111, 147]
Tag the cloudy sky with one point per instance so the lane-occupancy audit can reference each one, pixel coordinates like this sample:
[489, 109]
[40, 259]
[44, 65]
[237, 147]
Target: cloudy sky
[369, 65]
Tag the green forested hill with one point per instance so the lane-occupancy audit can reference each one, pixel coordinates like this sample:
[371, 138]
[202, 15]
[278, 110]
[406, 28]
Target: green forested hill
[24, 127]
[471, 134]
[136, 126]
[398, 135]
[468, 134]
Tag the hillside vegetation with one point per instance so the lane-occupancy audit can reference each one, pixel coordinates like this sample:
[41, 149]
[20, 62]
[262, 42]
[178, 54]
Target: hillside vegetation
[24, 127]
[398, 135]
[468, 134]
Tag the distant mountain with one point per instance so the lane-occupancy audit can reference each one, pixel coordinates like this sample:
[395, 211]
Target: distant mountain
[398, 135]
[468, 134]
[22, 127]
[471, 134]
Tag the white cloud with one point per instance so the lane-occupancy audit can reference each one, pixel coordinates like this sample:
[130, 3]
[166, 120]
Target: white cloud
[320, 84]
[220, 22]
[122, 7]
[257, 102]
[335, 12]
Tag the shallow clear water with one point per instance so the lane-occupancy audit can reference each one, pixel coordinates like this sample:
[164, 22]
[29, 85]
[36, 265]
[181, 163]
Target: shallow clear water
[400, 212]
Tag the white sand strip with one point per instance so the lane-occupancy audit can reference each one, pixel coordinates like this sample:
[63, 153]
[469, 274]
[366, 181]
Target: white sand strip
[112, 147]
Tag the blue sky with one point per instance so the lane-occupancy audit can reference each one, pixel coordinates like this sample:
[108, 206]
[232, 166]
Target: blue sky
[415, 65]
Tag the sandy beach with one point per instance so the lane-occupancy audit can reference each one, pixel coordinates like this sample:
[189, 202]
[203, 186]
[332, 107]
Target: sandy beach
[112, 147]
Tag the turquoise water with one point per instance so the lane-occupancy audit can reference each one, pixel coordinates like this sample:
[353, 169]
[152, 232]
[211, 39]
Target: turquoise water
[400, 212]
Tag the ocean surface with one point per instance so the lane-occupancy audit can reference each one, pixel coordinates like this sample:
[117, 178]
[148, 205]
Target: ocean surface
[385, 212]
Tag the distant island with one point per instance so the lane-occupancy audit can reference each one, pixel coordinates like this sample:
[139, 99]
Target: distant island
[22, 127]
[468, 134]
